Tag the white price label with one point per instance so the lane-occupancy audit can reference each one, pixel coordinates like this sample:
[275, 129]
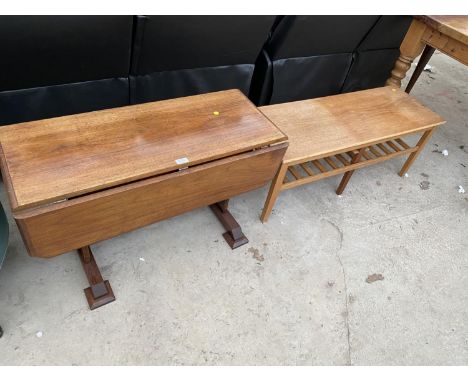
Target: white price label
[182, 160]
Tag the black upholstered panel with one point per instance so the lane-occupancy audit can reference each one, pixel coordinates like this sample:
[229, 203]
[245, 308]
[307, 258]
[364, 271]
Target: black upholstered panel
[377, 53]
[187, 42]
[319, 44]
[370, 69]
[261, 85]
[301, 36]
[58, 65]
[387, 33]
[177, 56]
[51, 50]
[310, 57]
[54, 101]
[309, 77]
[180, 83]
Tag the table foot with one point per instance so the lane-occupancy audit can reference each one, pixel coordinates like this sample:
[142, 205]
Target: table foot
[99, 292]
[234, 235]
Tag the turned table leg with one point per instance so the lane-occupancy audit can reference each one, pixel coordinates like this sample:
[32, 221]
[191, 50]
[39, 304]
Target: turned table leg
[425, 57]
[410, 48]
[234, 235]
[99, 291]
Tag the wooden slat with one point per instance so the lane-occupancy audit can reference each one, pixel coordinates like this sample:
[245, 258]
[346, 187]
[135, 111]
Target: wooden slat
[393, 146]
[384, 148]
[289, 177]
[295, 172]
[402, 143]
[341, 170]
[374, 151]
[351, 154]
[331, 162]
[319, 166]
[342, 159]
[307, 169]
[366, 155]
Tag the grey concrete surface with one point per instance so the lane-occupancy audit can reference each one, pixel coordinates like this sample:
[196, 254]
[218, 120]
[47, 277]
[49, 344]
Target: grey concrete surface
[295, 295]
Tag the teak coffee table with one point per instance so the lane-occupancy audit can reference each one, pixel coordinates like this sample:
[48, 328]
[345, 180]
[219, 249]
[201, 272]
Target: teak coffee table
[76, 180]
[339, 134]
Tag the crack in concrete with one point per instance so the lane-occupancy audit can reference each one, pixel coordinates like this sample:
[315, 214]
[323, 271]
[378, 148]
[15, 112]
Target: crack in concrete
[366, 226]
[348, 334]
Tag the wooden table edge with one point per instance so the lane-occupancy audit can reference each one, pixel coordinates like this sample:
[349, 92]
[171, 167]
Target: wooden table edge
[442, 27]
[24, 213]
[86, 191]
[294, 161]
[7, 180]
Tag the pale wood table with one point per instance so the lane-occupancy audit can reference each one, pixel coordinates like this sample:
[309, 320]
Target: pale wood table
[339, 134]
[448, 34]
[76, 180]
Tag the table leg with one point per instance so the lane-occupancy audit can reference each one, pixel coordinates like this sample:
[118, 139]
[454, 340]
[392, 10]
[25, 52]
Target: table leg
[348, 174]
[421, 143]
[273, 193]
[234, 235]
[410, 48]
[425, 57]
[99, 291]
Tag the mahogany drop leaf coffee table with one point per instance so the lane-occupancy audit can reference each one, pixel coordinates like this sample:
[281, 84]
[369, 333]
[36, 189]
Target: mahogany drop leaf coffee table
[76, 180]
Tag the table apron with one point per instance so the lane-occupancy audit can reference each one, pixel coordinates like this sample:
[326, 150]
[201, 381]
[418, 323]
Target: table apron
[452, 48]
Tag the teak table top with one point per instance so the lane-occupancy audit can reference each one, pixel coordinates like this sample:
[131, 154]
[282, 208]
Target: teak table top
[329, 125]
[49, 160]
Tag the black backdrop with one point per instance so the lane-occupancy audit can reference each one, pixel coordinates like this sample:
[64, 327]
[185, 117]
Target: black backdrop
[59, 65]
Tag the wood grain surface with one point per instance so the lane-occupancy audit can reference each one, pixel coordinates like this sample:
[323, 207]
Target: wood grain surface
[324, 126]
[61, 227]
[454, 26]
[53, 159]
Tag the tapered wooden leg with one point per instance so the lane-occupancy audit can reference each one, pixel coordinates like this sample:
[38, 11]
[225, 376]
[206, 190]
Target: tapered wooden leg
[423, 60]
[348, 174]
[99, 292]
[234, 235]
[273, 193]
[421, 143]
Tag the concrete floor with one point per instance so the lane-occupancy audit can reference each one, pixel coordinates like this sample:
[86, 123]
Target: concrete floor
[295, 295]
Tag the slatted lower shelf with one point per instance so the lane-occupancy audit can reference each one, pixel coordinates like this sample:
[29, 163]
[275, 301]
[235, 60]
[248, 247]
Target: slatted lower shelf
[325, 167]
